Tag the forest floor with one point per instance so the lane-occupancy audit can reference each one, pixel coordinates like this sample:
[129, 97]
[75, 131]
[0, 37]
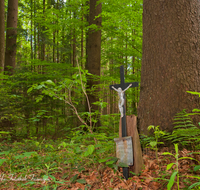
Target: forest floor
[154, 176]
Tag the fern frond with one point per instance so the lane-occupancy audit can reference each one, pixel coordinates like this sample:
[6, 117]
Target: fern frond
[185, 132]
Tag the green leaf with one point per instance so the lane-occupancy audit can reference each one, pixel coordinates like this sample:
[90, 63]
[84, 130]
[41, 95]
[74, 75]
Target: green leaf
[29, 154]
[197, 110]
[39, 86]
[187, 158]
[197, 168]
[108, 158]
[19, 156]
[73, 179]
[29, 183]
[30, 89]
[4, 132]
[50, 82]
[169, 166]
[80, 169]
[153, 143]
[171, 180]
[194, 185]
[90, 149]
[2, 161]
[98, 145]
[82, 181]
[77, 150]
[123, 165]
[45, 177]
[52, 177]
[167, 153]
[110, 162]
[197, 177]
[103, 160]
[176, 148]
[195, 93]
[150, 127]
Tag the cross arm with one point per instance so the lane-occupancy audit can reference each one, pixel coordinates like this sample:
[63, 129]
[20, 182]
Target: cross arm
[125, 85]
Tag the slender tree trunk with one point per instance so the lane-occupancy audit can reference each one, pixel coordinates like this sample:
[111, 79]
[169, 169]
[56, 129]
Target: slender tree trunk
[35, 36]
[31, 33]
[54, 43]
[58, 55]
[43, 36]
[94, 54]
[170, 62]
[11, 36]
[2, 35]
[74, 47]
[82, 40]
[134, 105]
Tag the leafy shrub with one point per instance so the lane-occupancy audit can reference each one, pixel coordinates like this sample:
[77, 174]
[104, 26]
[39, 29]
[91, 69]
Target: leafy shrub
[185, 132]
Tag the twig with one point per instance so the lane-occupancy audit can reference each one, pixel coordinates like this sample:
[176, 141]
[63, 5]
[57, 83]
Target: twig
[74, 108]
[88, 102]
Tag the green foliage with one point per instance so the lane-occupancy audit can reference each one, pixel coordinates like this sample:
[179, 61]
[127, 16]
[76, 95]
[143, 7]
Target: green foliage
[196, 169]
[58, 26]
[175, 172]
[46, 158]
[184, 131]
[157, 134]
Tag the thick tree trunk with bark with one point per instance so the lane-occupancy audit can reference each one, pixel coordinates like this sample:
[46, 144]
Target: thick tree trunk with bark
[170, 62]
[94, 53]
[11, 36]
[2, 34]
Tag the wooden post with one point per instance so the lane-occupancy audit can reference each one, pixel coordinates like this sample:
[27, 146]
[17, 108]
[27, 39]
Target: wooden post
[132, 131]
[124, 86]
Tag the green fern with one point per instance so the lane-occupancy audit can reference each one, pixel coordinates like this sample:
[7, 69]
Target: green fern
[185, 132]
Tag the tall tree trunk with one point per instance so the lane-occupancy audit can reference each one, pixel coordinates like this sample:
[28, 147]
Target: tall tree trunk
[94, 54]
[2, 35]
[74, 47]
[58, 55]
[170, 62]
[11, 36]
[54, 43]
[43, 36]
[82, 39]
[134, 95]
[35, 33]
[31, 33]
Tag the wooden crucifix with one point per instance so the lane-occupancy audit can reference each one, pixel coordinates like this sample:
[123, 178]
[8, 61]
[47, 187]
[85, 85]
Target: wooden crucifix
[121, 88]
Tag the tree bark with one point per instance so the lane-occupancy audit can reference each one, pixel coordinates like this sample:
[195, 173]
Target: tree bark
[170, 61]
[2, 35]
[94, 54]
[11, 36]
[43, 36]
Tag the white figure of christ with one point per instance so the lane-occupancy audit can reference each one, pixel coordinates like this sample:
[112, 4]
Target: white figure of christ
[121, 98]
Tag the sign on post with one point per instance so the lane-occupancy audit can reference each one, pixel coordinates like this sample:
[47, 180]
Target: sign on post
[121, 88]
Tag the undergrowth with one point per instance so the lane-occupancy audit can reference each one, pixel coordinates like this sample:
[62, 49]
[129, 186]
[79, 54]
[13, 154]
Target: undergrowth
[185, 132]
[37, 161]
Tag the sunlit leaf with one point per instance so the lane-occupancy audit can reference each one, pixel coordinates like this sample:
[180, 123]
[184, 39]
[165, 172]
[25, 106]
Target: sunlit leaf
[153, 143]
[167, 153]
[171, 180]
[169, 166]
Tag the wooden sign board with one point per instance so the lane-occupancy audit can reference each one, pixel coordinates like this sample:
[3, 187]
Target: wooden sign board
[132, 131]
[124, 150]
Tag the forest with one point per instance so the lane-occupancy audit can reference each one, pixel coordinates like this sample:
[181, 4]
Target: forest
[59, 115]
